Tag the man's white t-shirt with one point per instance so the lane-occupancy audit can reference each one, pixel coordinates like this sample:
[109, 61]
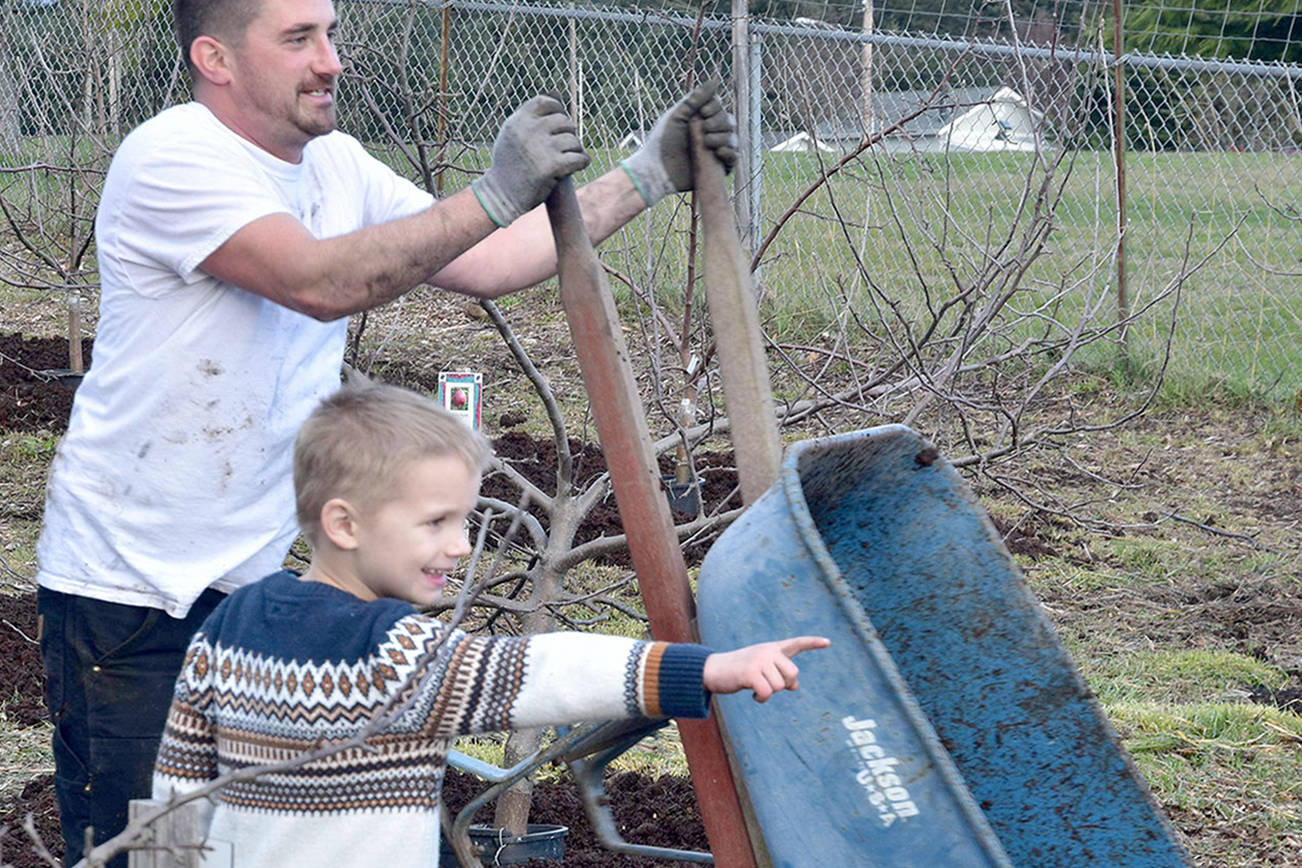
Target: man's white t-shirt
[174, 475]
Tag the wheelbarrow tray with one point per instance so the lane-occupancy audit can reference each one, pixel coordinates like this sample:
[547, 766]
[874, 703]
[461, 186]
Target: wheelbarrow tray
[946, 724]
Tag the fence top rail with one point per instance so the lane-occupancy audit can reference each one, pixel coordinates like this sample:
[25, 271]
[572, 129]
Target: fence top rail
[999, 48]
[981, 47]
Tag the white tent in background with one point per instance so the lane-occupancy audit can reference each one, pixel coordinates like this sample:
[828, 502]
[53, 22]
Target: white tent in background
[961, 119]
[1004, 122]
[802, 142]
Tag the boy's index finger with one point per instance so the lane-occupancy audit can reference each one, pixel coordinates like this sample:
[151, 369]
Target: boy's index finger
[793, 646]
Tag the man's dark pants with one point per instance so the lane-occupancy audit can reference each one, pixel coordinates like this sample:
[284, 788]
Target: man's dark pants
[109, 674]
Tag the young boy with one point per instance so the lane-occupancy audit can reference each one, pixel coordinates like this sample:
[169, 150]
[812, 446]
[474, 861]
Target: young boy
[385, 481]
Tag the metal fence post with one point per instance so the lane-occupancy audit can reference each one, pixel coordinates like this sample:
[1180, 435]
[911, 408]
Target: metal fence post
[742, 83]
[1119, 151]
[750, 230]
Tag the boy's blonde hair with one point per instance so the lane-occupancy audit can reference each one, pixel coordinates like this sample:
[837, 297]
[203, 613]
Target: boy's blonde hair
[357, 442]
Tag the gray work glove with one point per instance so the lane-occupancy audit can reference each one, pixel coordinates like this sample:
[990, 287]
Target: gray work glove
[663, 164]
[536, 146]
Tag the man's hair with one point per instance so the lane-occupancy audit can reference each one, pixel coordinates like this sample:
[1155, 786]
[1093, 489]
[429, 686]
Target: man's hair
[357, 442]
[226, 20]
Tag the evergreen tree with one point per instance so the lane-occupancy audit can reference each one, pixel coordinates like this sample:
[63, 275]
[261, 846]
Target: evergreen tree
[1269, 30]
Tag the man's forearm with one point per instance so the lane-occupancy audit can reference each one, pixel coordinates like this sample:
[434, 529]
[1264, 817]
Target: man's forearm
[277, 258]
[524, 253]
[377, 264]
[453, 244]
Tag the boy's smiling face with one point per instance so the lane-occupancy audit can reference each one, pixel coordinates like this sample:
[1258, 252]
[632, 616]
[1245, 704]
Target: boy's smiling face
[408, 543]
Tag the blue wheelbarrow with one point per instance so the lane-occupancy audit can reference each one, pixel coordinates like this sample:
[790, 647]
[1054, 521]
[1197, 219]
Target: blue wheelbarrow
[946, 725]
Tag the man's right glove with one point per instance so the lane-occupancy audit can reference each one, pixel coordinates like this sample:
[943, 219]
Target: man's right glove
[537, 146]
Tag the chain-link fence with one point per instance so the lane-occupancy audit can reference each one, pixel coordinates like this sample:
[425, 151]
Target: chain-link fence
[882, 170]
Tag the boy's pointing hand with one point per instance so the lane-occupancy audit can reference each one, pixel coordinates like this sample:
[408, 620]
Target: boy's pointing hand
[763, 669]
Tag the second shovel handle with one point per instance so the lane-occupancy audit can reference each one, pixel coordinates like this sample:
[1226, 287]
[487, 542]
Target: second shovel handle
[737, 335]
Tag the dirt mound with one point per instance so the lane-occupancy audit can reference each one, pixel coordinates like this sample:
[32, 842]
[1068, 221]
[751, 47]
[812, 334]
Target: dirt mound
[31, 400]
[22, 677]
[659, 812]
[1022, 539]
[536, 459]
[37, 799]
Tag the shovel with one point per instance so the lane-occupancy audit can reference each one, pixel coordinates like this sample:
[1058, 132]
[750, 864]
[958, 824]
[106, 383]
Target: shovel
[652, 541]
[737, 336]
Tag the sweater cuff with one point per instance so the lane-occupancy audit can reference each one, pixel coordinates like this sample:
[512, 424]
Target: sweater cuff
[682, 692]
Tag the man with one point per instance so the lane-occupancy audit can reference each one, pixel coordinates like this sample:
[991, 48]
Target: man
[235, 235]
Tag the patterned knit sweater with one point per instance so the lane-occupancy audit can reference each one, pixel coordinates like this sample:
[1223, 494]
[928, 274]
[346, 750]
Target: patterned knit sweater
[284, 665]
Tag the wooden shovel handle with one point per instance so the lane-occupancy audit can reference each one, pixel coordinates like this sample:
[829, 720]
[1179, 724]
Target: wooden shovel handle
[737, 336]
[643, 509]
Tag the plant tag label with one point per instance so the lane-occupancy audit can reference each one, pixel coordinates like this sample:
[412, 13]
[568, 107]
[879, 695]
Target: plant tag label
[461, 394]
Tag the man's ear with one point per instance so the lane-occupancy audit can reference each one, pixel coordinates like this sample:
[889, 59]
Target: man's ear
[339, 523]
[211, 60]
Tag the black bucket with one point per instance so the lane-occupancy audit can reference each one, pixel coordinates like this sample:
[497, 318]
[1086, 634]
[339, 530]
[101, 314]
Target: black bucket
[496, 847]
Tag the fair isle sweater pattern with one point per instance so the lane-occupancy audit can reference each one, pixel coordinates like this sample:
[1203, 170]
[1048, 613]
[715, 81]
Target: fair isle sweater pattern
[284, 666]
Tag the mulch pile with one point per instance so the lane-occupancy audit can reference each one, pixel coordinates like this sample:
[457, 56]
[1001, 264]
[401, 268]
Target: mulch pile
[659, 812]
[535, 458]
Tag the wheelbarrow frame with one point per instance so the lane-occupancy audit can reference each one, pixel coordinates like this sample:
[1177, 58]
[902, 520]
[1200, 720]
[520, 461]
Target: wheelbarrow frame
[587, 750]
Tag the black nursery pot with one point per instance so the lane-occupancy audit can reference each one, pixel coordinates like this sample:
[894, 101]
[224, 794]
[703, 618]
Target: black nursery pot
[496, 847]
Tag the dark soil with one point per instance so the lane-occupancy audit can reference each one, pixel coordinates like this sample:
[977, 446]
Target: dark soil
[1286, 698]
[30, 399]
[22, 677]
[535, 459]
[1021, 539]
[660, 812]
[37, 801]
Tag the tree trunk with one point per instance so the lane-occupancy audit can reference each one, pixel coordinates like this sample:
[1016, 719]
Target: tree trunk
[512, 810]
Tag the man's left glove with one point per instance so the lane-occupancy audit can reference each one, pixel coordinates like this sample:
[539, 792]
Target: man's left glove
[663, 164]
